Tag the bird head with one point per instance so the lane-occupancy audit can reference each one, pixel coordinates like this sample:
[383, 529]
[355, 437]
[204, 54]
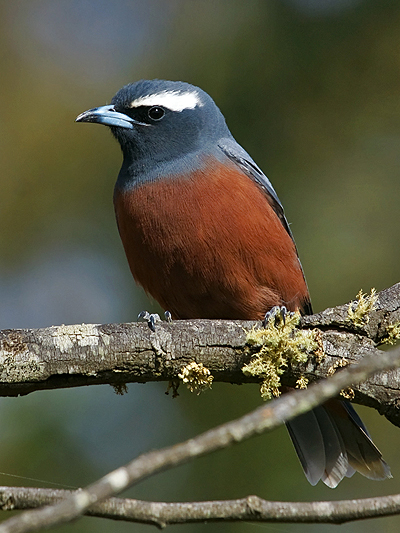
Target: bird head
[157, 122]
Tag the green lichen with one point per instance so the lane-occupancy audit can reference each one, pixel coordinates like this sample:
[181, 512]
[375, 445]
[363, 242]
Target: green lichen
[348, 393]
[196, 376]
[340, 363]
[302, 383]
[277, 346]
[358, 312]
[393, 333]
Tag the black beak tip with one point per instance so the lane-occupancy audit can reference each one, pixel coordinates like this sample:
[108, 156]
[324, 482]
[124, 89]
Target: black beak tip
[86, 116]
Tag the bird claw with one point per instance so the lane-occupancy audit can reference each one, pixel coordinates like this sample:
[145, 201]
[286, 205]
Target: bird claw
[151, 319]
[278, 314]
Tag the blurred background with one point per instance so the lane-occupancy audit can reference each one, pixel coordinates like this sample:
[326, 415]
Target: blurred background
[311, 89]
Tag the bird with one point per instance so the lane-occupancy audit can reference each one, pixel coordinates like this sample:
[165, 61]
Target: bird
[205, 235]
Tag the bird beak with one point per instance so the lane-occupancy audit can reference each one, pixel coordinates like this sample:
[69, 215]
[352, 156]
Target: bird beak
[107, 115]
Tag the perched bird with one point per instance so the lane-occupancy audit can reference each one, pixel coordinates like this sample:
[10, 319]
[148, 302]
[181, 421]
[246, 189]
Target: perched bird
[205, 234]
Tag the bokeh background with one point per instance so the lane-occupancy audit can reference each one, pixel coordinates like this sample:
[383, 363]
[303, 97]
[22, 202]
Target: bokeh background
[311, 88]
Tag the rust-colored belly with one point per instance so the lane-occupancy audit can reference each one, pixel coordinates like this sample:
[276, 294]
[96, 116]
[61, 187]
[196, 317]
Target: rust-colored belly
[209, 245]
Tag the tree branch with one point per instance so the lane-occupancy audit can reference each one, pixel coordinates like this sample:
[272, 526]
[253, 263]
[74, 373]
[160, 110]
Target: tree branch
[262, 419]
[386, 311]
[69, 356]
[249, 509]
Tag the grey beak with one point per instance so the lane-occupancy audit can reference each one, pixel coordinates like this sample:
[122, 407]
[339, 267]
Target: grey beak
[107, 115]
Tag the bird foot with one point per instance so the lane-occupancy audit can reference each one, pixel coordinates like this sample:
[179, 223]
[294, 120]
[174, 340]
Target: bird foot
[153, 318]
[276, 315]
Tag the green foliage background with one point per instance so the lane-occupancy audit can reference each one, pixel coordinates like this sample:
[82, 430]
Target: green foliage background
[311, 88]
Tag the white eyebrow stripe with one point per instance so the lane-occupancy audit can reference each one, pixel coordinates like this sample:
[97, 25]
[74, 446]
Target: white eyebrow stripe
[173, 100]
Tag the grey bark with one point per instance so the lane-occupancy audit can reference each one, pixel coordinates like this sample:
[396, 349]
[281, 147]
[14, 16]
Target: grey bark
[86, 354]
[250, 509]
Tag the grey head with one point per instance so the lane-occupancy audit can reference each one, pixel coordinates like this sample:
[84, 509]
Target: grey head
[162, 126]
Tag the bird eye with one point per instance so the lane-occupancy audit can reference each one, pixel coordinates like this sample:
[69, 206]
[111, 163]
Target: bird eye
[156, 113]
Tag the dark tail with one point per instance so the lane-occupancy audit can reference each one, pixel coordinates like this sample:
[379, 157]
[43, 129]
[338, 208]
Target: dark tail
[332, 442]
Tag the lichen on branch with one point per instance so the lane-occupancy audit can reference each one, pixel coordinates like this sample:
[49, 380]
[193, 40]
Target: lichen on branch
[393, 333]
[276, 347]
[358, 311]
[196, 376]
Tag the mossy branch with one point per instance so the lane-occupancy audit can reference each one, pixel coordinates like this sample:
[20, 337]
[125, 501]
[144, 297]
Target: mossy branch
[68, 356]
[277, 347]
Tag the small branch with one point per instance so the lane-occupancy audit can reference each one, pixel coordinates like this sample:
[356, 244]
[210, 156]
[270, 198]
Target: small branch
[250, 509]
[262, 419]
[386, 312]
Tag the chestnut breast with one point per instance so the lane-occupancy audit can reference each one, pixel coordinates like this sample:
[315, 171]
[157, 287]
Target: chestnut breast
[209, 245]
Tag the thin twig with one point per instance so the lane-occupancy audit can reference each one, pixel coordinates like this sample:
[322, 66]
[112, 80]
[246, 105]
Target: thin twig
[250, 509]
